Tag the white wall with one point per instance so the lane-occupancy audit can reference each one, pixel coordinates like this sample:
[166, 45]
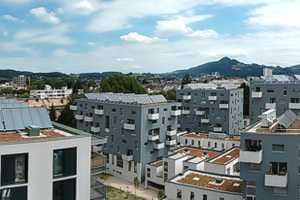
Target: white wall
[40, 165]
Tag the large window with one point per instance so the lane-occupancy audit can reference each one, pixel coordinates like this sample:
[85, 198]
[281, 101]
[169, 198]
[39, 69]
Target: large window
[18, 193]
[119, 161]
[64, 162]
[64, 190]
[278, 147]
[14, 169]
[179, 195]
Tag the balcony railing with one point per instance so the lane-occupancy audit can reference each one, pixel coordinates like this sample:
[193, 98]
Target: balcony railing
[175, 113]
[171, 132]
[88, 119]
[99, 111]
[127, 157]
[154, 116]
[270, 106]
[98, 163]
[95, 129]
[106, 130]
[179, 104]
[251, 156]
[223, 105]
[205, 121]
[73, 107]
[217, 129]
[212, 98]
[170, 142]
[200, 112]
[159, 145]
[98, 190]
[153, 137]
[187, 97]
[294, 105]
[275, 180]
[185, 112]
[129, 126]
[256, 94]
[79, 117]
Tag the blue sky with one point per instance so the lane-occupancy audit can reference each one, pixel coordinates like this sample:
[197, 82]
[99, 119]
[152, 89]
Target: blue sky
[78, 36]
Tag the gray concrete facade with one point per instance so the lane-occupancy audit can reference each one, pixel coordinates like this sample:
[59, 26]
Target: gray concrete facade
[211, 110]
[139, 133]
[277, 95]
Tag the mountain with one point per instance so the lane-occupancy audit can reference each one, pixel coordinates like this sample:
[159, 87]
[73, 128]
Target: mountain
[232, 67]
[9, 73]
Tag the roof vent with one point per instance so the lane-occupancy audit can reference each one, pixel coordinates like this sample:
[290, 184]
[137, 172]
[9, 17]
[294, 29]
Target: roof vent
[32, 130]
[219, 180]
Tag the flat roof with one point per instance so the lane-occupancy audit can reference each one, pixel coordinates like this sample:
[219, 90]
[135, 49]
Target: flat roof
[158, 163]
[205, 135]
[198, 152]
[227, 157]
[275, 128]
[206, 180]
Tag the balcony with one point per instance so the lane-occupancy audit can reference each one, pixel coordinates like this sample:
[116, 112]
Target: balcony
[175, 113]
[275, 180]
[99, 111]
[212, 98]
[95, 129]
[154, 116]
[271, 106]
[98, 190]
[153, 137]
[224, 106]
[171, 132]
[170, 142]
[88, 119]
[256, 94]
[205, 121]
[251, 156]
[129, 126]
[217, 129]
[127, 157]
[200, 112]
[159, 145]
[187, 97]
[98, 163]
[73, 107]
[79, 117]
[185, 112]
[294, 105]
[106, 130]
[179, 104]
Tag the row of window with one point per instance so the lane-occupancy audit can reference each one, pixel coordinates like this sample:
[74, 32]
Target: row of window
[192, 196]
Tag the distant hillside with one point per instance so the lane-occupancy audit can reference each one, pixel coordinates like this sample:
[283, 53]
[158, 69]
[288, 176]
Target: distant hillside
[9, 73]
[231, 67]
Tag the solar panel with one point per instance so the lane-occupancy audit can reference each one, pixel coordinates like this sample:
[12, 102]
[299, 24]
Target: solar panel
[26, 117]
[267, 82]
[158, 98]
[291, 115]
[287, 118]
[18, 122]
[8, 119]
[1, 120]
[35, 116]
[297, 76]
[142, 98]
[45, 118]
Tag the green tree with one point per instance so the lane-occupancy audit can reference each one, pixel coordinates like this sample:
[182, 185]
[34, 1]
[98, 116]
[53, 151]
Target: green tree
[185, 80]
[52, 113]
[246, 98]
[26, 95]
[160, 193]
[136, 183]
[122, 83]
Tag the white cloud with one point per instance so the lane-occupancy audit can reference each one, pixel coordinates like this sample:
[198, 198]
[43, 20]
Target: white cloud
[136, 67]
[190, 17]
[59, 11]
[42, 15]
[206, 34]
[135, 37]
[84, 7]
[11, 18]
[54, 35]
[125, 59]
[91, 44]
[5, 33]
[170, 27]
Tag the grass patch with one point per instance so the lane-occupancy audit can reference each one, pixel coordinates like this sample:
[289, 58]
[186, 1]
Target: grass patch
[116, 194]
[102, 176]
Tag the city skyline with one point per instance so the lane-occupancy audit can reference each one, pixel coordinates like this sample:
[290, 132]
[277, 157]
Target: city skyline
[154, 36]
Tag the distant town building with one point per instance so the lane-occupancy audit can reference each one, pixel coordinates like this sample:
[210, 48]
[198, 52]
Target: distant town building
[49, 93]
[20, 81]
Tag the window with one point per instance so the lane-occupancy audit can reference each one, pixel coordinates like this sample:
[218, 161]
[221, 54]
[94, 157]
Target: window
[123, 132]
[278, 147]
[279, 168]
[124, 141]
[166, 166]
[148, 172]
[204, 196]
[179, 194]
[163, 120]
[64, 162]
[254, 167]
[119, 149]
[136, 145]
[113, 160]
[115, 119]
[133, 112]
[192, 196]
[119, 161]
[165, 109]
[270, 91]
[192, 142]
[65, 189]
[135, 167]
[129, 166]
[250, 189]
[278, 190]
[221, 198]
[113, 110]
[208, 144]
[112, 138]
[18, 193]
[296, 90]
[216, 145]
[14, 169]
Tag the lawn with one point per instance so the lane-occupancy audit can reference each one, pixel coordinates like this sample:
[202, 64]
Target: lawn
[116, 194]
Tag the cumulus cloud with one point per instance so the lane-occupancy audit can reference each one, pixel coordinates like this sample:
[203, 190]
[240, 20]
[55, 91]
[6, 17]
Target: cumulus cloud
[125, 59]
[42, 15]
[206, 34]
[84, 7]
[135, 37]
[190, 17]
[5, 33]
[91, 44]
[59, 11]
[171, 27]
[11, 18]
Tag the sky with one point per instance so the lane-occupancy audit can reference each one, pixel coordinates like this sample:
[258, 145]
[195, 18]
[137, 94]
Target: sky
[155, 36]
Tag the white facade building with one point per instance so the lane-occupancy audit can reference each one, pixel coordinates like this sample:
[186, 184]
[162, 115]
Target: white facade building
[50, 93]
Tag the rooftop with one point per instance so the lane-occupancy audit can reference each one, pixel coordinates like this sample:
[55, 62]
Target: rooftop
[206, 180]
[158, 163]
[206, 135]
[276, 128]
[198, 152]
[227, 157]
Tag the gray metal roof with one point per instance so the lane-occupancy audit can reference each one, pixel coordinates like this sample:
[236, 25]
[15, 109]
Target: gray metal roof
[229, 86]
[287, 118]
[158, 98]
[14, 105]
[281, 77]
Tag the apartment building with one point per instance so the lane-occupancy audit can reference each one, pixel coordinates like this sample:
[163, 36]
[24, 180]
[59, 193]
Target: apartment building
[269, 157]
[192, 184]
[207, 107]
[139, 129]
[50, 93]
[20, 81]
